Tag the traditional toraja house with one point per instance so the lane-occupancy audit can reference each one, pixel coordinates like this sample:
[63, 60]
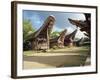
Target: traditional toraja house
[84, 25]
[78, 42]
[40, 39]
[69, 39]
[58, 41]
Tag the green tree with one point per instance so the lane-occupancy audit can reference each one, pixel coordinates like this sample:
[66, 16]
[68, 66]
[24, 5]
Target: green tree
[55, 34]
[27, 28]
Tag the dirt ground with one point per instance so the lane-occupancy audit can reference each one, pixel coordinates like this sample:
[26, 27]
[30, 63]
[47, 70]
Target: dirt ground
[66, 57]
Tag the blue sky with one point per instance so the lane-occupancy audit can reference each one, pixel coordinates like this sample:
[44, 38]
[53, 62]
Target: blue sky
[38, 17]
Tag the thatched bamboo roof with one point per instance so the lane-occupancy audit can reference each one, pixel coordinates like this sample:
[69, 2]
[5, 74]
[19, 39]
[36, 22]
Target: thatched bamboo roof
[71, 35]
[70, 38]
[61, 37]
[78, 42]
[84, 25]
[47, 26]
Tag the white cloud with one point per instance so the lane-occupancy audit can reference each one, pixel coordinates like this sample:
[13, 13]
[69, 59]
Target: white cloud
[77, 16]
[79, 34]
[70, 29]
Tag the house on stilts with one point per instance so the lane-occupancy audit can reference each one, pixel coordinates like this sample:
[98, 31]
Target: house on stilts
[40, 39]
[79, 42]
[84, 25]
[58, 41]
[69, 39]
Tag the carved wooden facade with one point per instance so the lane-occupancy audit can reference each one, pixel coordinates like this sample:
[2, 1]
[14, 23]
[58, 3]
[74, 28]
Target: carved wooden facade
[58, 41]
[69, 39]
[40, 39]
